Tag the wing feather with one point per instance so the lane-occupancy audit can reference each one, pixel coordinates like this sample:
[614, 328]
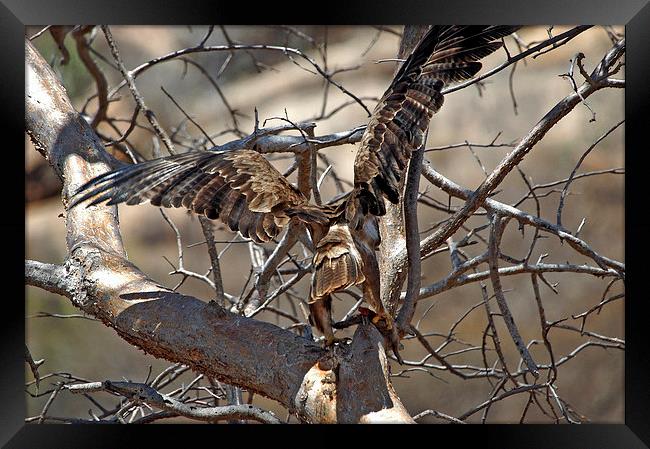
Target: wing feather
[239, 187]
[398, 124]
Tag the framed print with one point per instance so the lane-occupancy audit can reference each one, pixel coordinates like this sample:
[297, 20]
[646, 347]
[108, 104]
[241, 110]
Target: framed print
[331, 223]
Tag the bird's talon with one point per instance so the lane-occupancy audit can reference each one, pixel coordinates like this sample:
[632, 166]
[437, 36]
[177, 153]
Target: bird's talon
[331, 342]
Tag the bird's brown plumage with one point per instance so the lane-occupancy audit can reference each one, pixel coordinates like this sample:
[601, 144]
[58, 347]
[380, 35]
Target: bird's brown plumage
[239, 187]
[400, 119]
[337, 266]
[242, 189]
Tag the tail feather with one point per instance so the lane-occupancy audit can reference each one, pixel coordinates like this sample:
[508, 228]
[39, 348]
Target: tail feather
[337, 266]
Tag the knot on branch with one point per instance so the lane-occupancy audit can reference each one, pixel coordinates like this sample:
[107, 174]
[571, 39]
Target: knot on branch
[82, 260]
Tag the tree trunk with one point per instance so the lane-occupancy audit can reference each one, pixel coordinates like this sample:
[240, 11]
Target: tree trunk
[348, 385]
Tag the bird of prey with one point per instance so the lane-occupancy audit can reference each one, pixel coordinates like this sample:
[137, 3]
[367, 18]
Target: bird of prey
[243, 190]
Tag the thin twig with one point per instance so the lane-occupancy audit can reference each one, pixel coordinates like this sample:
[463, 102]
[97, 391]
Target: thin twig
[129, 80]
[575, 169]
[144, 393]
[493, 251]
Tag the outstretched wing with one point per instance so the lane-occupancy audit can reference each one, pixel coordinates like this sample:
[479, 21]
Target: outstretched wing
[398, 124]
[240, 187]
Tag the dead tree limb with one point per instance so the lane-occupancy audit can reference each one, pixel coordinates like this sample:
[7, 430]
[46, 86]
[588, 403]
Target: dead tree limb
[599, 79]
[102, 282]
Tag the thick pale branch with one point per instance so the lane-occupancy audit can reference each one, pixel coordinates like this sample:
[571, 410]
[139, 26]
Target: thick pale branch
[267, 141]
[353, 400]
[100, 280]
[47, 276]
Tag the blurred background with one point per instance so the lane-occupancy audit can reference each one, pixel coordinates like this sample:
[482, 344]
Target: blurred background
[592, 382]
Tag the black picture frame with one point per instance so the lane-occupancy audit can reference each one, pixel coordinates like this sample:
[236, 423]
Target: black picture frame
[635, 14]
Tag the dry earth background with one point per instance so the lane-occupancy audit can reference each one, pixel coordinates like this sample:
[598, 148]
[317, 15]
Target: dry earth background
[592, 382]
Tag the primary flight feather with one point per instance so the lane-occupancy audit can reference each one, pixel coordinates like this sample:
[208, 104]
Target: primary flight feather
[243, 190]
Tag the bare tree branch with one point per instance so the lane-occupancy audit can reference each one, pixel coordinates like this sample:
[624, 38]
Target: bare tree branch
[496, 230]
[522, 217]
[144, 393]
[218, 355]
[100, 281]
[129, 79]
[412, 240]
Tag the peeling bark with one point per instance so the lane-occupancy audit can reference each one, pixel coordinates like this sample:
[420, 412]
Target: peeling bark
[238, 350]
